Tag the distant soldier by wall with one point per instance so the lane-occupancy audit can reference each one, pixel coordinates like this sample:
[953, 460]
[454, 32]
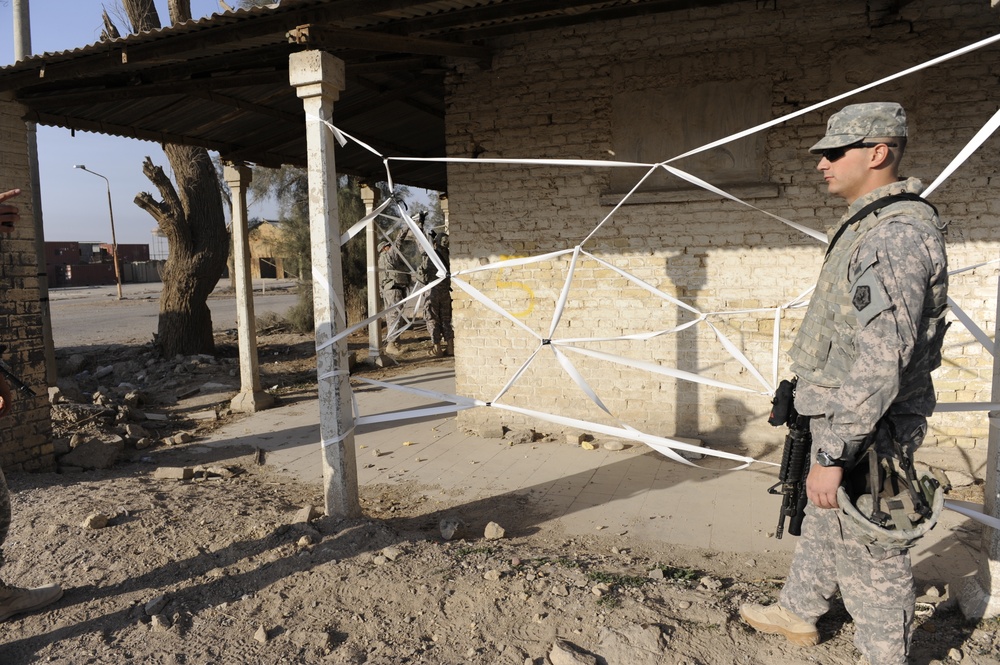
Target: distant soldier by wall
[437, 309]
[394, 282]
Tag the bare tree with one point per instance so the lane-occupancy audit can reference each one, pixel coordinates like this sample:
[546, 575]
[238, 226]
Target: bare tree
[190, 215]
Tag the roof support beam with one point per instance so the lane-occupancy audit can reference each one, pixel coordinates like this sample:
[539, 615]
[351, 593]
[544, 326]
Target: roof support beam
[335, 39]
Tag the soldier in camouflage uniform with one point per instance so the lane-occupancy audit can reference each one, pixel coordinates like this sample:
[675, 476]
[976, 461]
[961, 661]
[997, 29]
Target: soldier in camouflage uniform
[394, 281]
[871, 337]
[437, 309]
[15, 600]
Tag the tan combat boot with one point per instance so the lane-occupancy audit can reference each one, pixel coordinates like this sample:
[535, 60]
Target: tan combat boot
[776, 620]
[14, 600]
[393, 349]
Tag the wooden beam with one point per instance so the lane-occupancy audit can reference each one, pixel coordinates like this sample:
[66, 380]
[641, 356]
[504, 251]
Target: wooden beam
[129, 131]
[125, 89]
[388, 94]
[335, 39]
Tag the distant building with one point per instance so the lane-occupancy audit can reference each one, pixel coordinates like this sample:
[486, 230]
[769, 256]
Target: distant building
[85, 263]
[266, 257]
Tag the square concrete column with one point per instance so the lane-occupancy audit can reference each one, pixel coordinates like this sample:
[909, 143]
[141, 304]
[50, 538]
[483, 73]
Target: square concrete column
[368, 195]
[979, 597]
[319, 78]
[251, 398]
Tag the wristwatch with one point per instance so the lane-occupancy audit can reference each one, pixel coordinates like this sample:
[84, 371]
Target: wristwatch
[823, 459]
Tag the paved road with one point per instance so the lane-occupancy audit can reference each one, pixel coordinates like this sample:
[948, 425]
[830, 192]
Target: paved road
[93, 315]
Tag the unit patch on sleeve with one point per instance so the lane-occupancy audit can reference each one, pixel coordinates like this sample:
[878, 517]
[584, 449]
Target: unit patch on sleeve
[862, 297]
[868, 296]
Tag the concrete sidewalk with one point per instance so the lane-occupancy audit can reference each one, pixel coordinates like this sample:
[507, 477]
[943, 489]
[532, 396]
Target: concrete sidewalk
[636, 491]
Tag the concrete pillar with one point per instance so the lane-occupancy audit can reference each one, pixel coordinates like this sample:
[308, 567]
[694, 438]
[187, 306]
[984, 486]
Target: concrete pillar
[979, 597]
[319, 78]
[251, 398]
[443, 200]
[368, 195]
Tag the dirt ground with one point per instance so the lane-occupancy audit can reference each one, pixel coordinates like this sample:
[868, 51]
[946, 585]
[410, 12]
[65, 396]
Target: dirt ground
[225, 568]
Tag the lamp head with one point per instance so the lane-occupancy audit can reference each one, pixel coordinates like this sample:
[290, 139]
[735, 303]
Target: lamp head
[79, 166]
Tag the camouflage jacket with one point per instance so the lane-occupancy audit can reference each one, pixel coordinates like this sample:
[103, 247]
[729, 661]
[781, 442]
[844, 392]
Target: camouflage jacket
[393, 271]
[885, 348]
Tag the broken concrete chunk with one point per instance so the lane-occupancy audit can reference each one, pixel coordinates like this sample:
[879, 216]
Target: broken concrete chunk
[174, 473]
[305, 515]
[520, 436]
[93, 454]
[133, 398]
[95, 521]
[493, 531]
[490, 431]
[133, 431]
[567, 653]
[449, 527]
[156, 605]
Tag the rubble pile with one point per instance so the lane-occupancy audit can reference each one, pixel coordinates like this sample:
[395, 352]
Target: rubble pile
[116, 399]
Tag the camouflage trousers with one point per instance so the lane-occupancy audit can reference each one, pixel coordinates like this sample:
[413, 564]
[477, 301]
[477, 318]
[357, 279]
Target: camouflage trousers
[876, 585]
[392, 318]
[4, 513]
[437, 314]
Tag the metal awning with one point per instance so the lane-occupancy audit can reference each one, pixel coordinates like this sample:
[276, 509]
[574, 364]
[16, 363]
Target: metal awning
[222, 82]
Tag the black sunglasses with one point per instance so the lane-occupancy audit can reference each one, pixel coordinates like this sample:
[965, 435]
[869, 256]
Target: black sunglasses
[833, 154]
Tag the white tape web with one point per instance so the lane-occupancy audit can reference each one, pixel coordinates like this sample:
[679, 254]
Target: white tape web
[552, 339]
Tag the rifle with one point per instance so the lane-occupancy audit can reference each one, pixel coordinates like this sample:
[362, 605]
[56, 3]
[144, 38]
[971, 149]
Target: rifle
[794, 459]
[12, 378]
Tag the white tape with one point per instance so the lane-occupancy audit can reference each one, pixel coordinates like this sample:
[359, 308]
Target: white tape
[971, 326]
[652, 367]
[961, 407]
[515, 262]
[326, 443]
[973, 510]
[517, 374]
[412, 414]
[658, 443]
[984, 133]
[559, 347]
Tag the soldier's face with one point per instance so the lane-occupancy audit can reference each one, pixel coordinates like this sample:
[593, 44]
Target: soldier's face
[846, 175]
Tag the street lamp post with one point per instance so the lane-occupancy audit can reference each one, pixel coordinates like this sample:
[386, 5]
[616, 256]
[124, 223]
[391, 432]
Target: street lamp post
[114, 242]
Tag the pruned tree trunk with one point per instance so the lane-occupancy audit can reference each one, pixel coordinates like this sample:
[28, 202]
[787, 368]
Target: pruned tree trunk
[191, 217]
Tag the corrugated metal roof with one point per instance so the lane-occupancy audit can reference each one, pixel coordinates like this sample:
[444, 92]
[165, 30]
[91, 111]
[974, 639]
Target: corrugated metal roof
[221, 82]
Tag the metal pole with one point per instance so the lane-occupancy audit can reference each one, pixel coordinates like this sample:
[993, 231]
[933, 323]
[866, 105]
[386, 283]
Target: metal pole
[114, 241]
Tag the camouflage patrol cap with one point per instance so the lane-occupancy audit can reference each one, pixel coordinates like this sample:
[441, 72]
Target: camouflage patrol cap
[857, 122]
[382, 245]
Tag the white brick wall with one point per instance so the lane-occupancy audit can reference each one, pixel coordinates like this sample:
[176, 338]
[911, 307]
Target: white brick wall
[550, 94]
[26, 433]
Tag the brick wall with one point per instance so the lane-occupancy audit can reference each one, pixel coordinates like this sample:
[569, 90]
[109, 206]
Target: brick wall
[552, 94]
[26, 433]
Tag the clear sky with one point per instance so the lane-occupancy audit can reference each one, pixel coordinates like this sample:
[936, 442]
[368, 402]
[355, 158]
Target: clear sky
[74, 202]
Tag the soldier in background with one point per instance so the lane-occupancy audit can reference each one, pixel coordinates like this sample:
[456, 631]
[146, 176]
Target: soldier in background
[394, 283]
[437, 309]
[15, 600]
[865, 351]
